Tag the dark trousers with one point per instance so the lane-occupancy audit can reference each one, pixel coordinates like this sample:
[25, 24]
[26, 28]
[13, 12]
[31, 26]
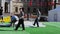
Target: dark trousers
[21, 21]
[1, 17]
[13, 22]
[36, 22]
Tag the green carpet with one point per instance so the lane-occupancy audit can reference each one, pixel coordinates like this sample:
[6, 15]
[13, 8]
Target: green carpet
[51, 28]
[10, 30]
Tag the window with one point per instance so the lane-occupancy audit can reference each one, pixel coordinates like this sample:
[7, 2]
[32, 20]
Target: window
[6, 7]
[58, 1]
[22, 0]
[34, 0]
[27, 0]
[16, 9]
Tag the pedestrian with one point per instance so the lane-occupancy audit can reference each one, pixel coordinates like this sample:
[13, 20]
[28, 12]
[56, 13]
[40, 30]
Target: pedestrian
[1, 13]
[14, 18]
[21, 19]
[37, 18]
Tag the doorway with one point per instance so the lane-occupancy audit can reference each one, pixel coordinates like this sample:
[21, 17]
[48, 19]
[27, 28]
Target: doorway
[6, 7]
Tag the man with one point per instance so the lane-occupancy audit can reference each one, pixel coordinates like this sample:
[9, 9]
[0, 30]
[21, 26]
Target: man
[14, 19]
[21, 19]
[1, 12]
[37, 18]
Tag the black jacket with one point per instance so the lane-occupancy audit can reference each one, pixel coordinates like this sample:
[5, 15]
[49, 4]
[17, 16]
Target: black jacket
[1, 10]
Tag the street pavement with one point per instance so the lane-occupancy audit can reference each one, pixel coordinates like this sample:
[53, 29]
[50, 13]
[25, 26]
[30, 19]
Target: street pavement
[30, 24]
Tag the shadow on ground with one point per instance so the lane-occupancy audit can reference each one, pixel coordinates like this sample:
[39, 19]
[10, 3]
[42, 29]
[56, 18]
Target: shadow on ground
[9, 30]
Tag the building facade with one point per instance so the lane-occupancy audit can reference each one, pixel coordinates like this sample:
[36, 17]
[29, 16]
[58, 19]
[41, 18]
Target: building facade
[16, 4]
[10, 6]
[13, 5]
[43, 5]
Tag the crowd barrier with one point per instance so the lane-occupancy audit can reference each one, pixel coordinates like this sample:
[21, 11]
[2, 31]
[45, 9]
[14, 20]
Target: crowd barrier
[6, 19]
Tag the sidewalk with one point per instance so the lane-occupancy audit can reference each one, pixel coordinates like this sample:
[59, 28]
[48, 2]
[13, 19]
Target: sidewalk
[30, 24]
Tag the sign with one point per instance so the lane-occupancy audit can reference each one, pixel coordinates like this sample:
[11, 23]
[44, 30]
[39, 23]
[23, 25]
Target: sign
[6, 19]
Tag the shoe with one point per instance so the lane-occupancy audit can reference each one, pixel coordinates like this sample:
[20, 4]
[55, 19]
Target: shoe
[37, 26]
[24, 29]
[33, 25]
[15, 29]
